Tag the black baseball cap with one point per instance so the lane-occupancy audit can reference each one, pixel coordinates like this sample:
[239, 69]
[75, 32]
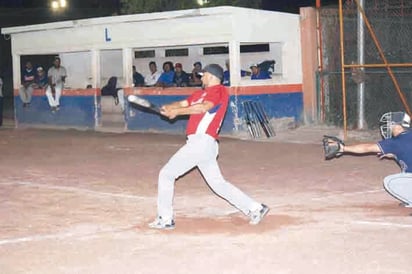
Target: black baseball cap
[213, 69]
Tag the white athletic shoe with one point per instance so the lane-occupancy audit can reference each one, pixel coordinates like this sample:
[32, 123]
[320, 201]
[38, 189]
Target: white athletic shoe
[258, 215]
[159, 223]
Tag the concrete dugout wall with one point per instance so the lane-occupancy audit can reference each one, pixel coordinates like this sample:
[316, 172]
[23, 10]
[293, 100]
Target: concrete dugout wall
[82, 43]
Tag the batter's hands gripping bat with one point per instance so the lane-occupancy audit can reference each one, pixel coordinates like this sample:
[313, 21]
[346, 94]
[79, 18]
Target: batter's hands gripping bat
[332, 147]
[139, 101]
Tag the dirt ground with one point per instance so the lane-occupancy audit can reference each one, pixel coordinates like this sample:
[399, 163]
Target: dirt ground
[79, 202]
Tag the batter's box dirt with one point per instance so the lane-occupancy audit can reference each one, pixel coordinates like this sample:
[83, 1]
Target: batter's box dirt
[388, 209]
[231, 225]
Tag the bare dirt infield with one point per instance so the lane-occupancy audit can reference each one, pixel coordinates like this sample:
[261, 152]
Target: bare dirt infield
[79, 202]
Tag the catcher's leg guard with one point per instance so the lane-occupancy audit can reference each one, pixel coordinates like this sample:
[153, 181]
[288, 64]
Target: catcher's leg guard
[400, 186]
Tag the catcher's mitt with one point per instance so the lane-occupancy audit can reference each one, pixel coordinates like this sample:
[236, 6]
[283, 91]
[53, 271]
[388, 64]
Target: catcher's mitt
[332, 146]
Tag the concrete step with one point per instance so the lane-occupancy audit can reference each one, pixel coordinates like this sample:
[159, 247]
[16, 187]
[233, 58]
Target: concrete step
[113, 124]
[113, 117]
[116, 128]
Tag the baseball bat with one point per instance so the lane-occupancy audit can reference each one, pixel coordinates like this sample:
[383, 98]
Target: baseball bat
[253, 119]
[266, 119]
[260, 119]
[248, 121]
[263, 119]
[146, 104]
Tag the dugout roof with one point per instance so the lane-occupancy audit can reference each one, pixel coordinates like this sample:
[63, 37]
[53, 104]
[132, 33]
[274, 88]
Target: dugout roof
[183, 27]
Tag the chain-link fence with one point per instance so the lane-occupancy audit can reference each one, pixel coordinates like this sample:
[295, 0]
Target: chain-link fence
[391, 21]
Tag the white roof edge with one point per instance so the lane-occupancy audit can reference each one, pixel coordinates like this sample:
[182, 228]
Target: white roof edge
[130, 18]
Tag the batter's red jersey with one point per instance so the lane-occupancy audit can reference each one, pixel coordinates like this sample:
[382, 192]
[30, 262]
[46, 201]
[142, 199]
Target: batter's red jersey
[210, 121]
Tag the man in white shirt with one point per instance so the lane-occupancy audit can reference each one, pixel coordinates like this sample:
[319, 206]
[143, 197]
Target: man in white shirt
[57, 75]
[151, 79]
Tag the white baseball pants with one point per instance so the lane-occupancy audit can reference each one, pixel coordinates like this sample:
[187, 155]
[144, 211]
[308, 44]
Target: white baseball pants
[400, 186]
[54, 101]
[200, 150]
[120, 95]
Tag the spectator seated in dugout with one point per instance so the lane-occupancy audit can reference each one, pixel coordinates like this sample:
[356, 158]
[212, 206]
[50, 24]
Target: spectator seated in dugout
[28, 84]
[138, 79]
[151, 79]
[181, 78]
[41, 78]
[258, 73]
[56, 76]
[166, 78]
[195, 78]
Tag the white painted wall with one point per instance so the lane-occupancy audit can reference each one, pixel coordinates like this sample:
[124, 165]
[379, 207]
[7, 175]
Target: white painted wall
[78, 67]
[111, 64]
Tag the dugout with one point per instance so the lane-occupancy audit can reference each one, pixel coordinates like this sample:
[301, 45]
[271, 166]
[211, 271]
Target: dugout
[92, 50]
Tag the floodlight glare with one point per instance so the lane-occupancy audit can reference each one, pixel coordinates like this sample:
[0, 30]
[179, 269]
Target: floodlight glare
[55, 5]
[202, 2]
[63, 3]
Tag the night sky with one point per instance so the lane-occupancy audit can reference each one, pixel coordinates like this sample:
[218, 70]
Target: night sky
[27, 12]
[278, 5]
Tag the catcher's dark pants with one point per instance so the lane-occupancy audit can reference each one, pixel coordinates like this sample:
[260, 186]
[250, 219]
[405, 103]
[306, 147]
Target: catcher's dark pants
[400, 186]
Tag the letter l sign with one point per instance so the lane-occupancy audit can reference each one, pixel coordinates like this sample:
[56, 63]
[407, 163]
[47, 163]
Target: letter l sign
[106, 35]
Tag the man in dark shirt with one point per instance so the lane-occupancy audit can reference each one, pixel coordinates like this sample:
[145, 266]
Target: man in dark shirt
[27, 81]
[138, 79]
[181, 78]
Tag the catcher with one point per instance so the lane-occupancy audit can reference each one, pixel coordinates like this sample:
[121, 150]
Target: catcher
[396, 144]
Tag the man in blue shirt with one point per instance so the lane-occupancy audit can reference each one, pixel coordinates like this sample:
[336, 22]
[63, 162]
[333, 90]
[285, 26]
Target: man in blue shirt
[258, 74]
[397, 145]
[166, 78]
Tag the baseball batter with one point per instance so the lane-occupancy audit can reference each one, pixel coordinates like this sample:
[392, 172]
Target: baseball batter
[396, 144]
[207, 108]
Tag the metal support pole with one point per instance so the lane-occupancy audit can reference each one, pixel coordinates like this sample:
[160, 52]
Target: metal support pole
[361, 61]
[342, 57]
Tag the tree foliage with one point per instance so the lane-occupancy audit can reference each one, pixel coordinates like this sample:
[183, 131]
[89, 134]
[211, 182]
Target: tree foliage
[238, 3]
[147, 6]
